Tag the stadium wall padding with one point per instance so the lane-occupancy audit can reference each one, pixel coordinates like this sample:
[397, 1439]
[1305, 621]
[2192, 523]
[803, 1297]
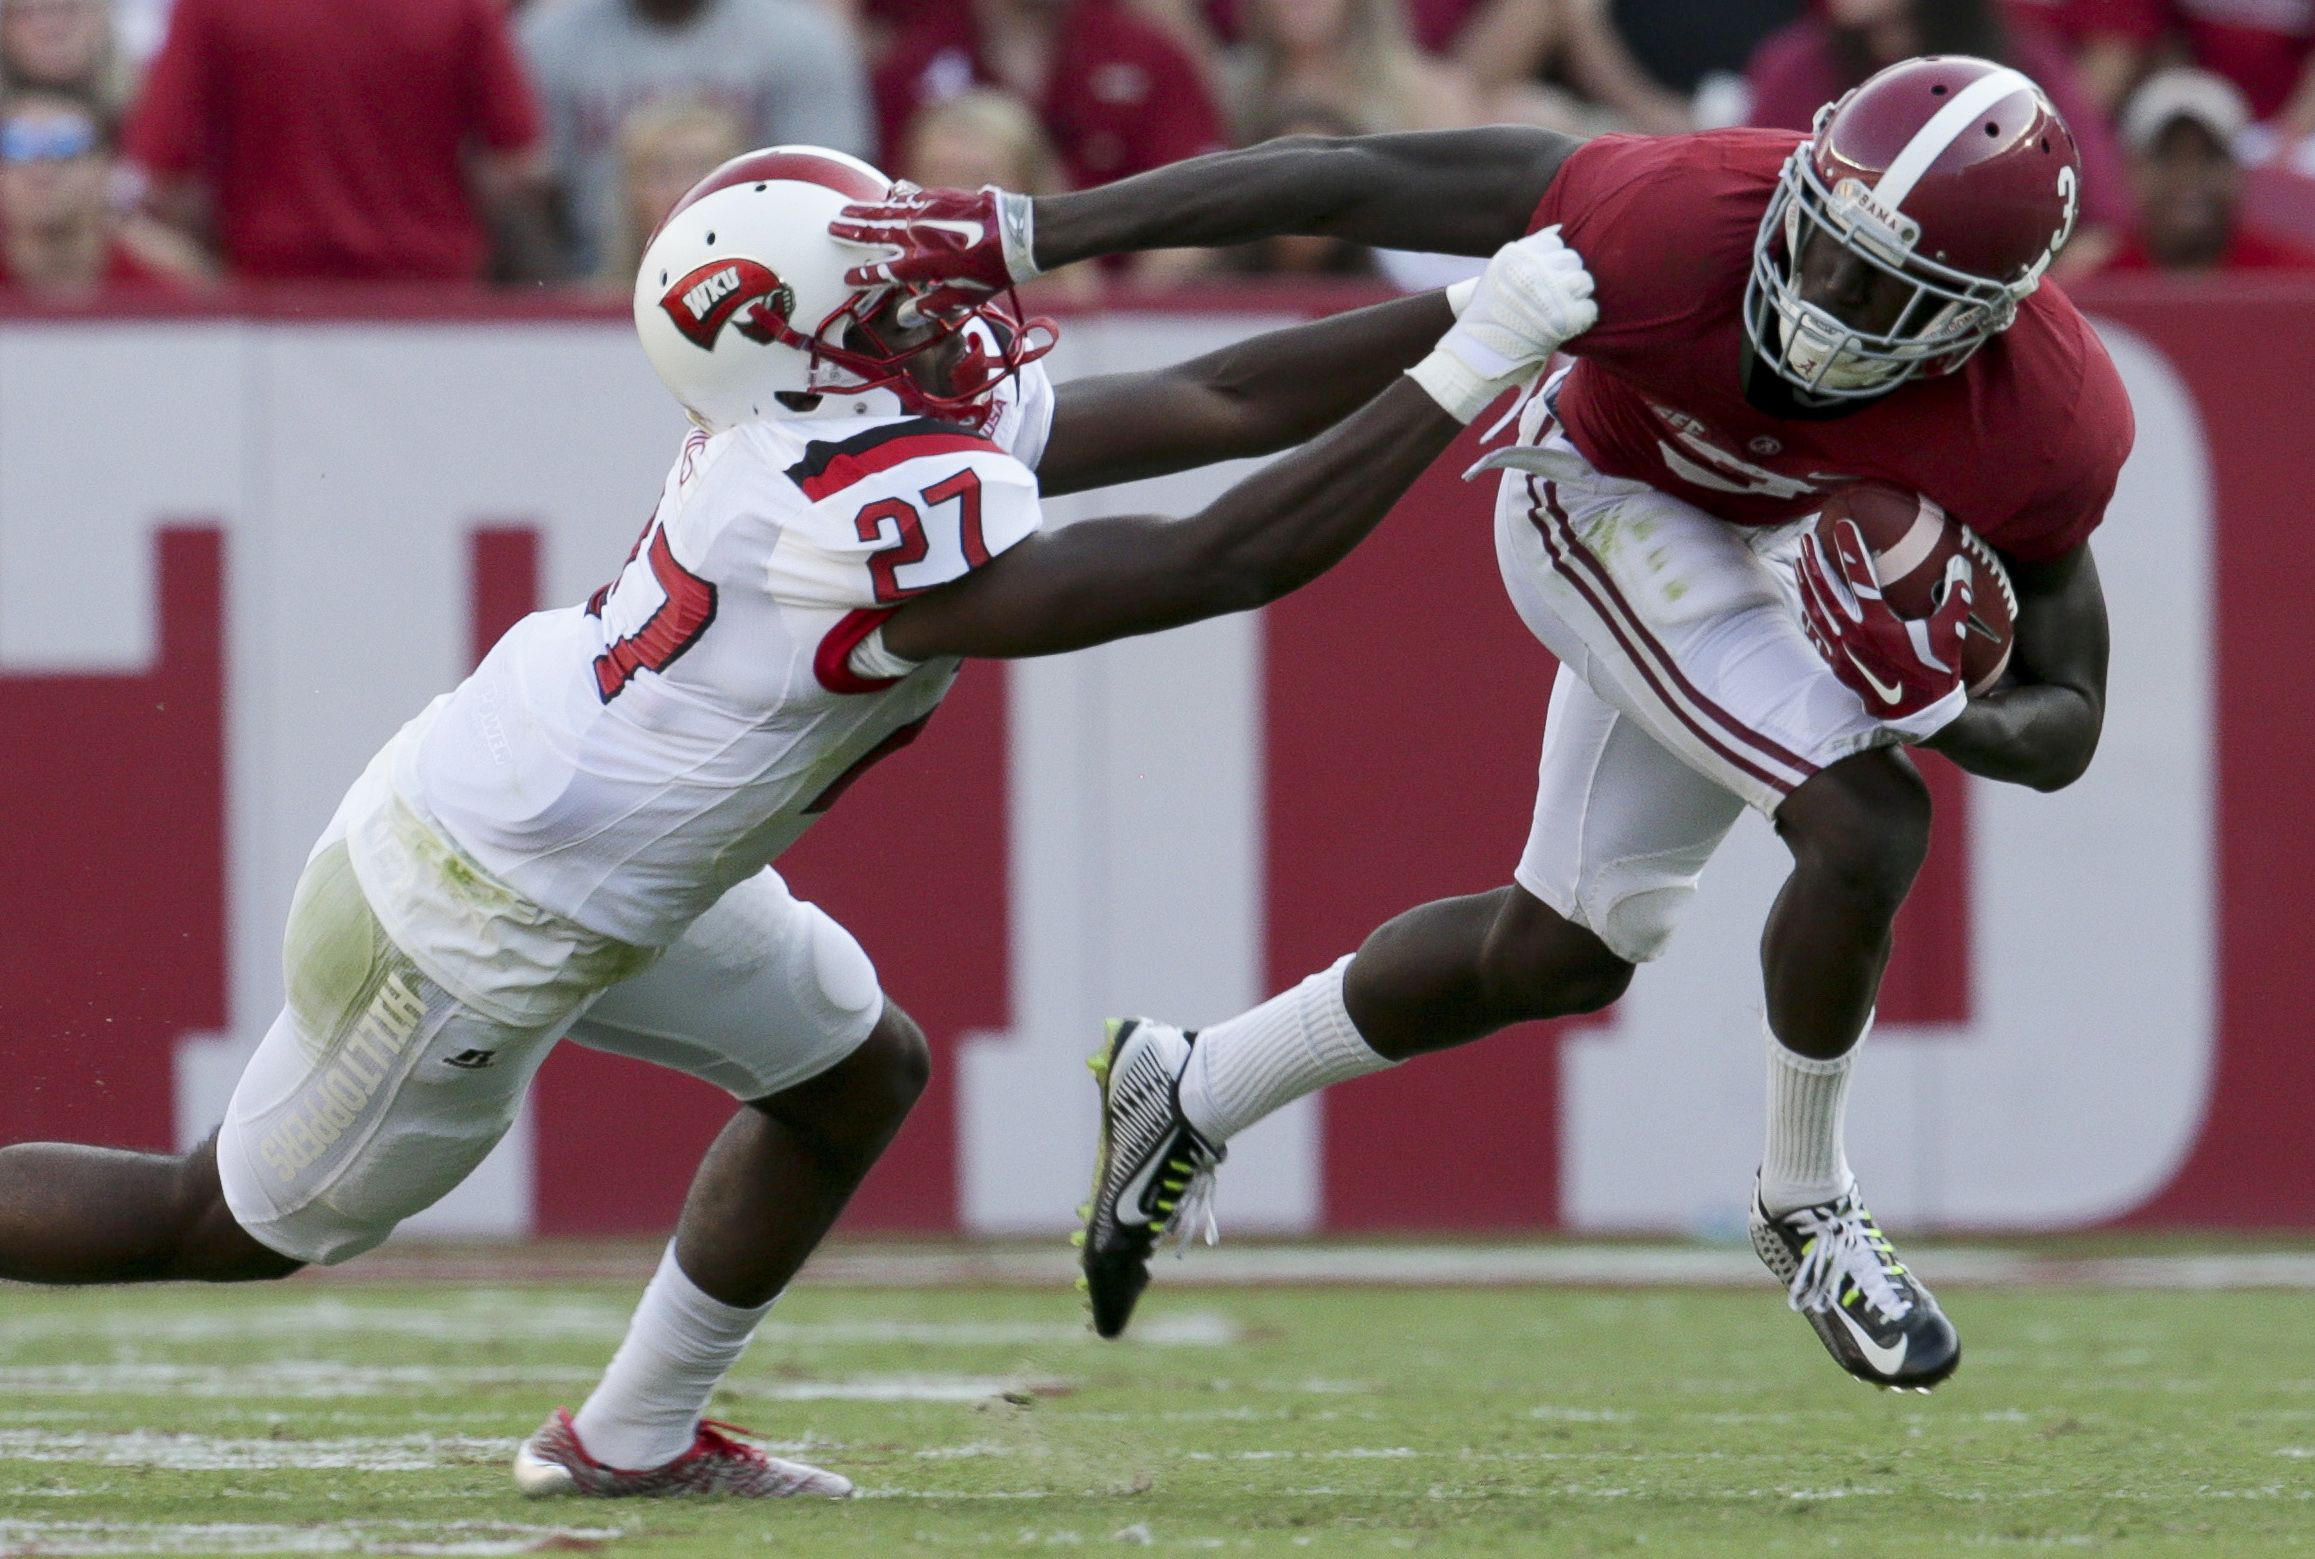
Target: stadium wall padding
[239, 544]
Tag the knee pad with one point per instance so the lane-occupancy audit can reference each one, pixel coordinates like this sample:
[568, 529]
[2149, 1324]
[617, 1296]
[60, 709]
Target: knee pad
[1634, 905]
[840, 966]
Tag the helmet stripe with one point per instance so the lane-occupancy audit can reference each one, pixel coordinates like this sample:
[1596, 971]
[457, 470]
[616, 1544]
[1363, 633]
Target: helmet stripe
[1943, 129]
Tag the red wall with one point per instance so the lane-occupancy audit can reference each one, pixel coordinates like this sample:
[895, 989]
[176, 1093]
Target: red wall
[115, 866]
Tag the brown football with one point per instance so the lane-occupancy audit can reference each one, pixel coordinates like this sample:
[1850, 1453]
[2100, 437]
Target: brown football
[1911, 540]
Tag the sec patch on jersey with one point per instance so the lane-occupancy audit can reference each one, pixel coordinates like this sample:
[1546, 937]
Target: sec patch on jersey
[1912, 540]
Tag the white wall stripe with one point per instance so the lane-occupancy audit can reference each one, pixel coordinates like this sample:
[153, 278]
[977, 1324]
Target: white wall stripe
[1944, 128]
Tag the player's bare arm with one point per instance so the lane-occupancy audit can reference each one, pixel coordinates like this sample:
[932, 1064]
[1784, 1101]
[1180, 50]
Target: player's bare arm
[1110, 578]
[1450, 191]
[2041, 728]
[1280, 528]
[1253, 397]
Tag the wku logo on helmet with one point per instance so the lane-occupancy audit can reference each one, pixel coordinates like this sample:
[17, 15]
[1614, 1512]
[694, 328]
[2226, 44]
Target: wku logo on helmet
[739, 293]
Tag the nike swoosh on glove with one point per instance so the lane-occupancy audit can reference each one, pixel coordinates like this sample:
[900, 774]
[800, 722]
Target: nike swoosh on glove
[1533, 298]
[954, 247]
[1907, 670]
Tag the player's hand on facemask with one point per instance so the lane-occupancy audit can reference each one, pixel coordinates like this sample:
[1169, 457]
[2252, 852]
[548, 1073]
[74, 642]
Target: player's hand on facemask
[956, 246]
[1534, 297]
[1907, 670]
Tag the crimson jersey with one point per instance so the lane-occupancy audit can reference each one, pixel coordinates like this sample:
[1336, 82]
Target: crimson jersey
[2023, 444]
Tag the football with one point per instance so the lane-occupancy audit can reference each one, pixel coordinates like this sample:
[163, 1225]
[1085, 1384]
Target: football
[1911, 540]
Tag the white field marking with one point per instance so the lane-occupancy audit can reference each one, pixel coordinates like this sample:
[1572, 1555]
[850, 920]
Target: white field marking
[512, 1312]
[1553, 1264]
[1580, 1415]
[1355, 1453]
[894, 1388]
[210, 1453]
[1319, 1386]
[945, 1496]
[304, 1378]
[248, 1537]
[359, 1453]
[1461, 1454]
[452, 1314]
[207, 1453]
[321, 1378]
[1221, 1415]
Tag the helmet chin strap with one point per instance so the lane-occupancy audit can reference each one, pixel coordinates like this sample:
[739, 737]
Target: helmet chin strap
[1818, 358]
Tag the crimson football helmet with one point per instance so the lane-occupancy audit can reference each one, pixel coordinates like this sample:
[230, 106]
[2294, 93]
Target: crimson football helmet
[1953, 174]
[744, 311]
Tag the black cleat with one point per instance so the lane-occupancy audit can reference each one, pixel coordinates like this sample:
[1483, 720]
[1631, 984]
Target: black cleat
[1876, 1320]
[1152, 1172]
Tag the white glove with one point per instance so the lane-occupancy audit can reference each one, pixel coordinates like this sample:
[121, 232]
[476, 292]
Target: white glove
[1535, 296]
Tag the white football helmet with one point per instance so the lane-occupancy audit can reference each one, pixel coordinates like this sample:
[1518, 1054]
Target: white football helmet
[744, 311]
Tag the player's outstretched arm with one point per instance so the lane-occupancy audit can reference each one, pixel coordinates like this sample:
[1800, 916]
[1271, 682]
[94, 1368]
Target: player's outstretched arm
[1452, 191]
[2041, 729]
[1281, 527]
[1106, 579]
[1255, 397]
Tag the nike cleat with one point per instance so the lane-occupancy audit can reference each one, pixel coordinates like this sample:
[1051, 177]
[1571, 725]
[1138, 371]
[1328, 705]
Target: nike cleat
[553, 1462]
[1152, 1172]
[1878, 1322]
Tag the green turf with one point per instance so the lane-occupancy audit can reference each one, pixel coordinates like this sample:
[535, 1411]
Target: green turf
[1273, 1421]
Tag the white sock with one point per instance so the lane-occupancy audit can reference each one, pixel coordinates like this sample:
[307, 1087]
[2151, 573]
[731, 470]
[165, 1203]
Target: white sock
[1295, 1043]
[1805, 1161]
[646, 1411]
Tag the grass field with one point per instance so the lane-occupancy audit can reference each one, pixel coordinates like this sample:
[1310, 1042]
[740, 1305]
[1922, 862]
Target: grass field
[346, 1417]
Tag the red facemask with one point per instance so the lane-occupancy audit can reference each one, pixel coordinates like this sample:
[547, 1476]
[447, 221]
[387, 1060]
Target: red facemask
[848, 339]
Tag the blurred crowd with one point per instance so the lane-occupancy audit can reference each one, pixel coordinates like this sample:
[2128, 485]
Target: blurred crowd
[158, 145]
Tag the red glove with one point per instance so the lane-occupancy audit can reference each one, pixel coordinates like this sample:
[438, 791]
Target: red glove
[951, 247]
[1907, 670]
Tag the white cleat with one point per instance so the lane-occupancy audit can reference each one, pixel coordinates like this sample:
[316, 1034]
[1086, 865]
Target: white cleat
[552, 1462]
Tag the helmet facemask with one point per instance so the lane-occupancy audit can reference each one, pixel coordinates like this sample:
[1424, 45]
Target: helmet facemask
[1947, 315]
[850, 352]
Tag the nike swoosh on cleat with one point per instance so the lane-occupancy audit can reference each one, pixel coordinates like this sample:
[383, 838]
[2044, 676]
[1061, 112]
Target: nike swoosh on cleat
[1890, 694]
[1129, 1196]
[1886, 1360]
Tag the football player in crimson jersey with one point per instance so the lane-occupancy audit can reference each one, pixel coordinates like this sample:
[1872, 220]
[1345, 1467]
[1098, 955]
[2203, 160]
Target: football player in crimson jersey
[1779, 314]
[574, 840]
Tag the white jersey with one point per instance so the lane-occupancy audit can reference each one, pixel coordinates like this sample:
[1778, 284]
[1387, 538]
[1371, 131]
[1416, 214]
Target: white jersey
[624, 763]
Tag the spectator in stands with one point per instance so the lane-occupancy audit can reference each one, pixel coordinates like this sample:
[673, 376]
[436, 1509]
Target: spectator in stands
[787, 69]
[664, 148]
[60, 237]
[984, 136]
[1698, 52]
[1515, 49]
[1115, 92]
[2181, 128]
[1294, 255]
[64, 46]
[1816, 59]
[2109, 41]
[384, 140]
[1355, 55]
[138, 27]
[980, 136]
[2265, 47]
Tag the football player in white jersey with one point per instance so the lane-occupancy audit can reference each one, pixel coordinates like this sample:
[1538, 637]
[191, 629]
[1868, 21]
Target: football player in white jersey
[575, 840]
